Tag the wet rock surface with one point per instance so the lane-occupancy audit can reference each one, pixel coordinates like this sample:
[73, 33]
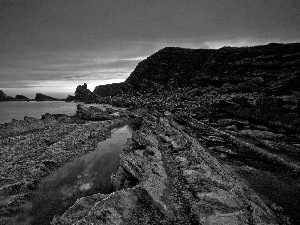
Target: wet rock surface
[32, 148]
[168, 177]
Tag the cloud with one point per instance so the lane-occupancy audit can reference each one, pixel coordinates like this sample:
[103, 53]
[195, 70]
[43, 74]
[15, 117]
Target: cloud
[138, 58]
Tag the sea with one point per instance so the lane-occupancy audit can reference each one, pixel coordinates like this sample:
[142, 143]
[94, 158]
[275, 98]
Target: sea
[19, 109]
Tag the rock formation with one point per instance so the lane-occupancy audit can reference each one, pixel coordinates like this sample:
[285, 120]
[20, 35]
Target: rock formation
[83, 94]
[21, 98]
[93, 113]
[42, 97]
[32, 148]
[270, 69]
[167, 177]
[70, 98]
[4, 97]
[216, 141]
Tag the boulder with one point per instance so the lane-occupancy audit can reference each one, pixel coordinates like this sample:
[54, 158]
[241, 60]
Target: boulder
[92, 113]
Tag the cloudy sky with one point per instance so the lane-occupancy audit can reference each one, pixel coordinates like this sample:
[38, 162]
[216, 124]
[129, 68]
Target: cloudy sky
[51, 46]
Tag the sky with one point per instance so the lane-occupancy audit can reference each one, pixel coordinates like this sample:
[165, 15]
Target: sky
[51, 46]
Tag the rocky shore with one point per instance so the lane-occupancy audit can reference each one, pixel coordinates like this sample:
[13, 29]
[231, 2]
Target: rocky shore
[216, 141]
[167, 176]
[32, 148]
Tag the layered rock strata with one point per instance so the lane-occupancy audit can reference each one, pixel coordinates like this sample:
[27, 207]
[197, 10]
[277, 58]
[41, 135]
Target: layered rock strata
[168, 177]
[31, 149]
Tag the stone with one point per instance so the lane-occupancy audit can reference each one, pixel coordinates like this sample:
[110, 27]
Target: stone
[260, 134]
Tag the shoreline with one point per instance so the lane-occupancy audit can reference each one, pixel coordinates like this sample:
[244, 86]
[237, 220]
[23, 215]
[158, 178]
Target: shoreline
[33, 148]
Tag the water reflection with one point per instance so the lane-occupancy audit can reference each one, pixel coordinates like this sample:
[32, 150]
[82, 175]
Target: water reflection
[86, 175]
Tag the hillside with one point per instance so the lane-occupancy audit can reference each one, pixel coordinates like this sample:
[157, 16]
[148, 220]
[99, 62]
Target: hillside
[271, 69]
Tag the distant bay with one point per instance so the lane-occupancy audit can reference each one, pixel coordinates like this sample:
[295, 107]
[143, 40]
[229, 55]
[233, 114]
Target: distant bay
[18, 109]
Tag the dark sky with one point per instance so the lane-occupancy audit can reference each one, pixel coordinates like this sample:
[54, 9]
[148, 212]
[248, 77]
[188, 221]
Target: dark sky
[51, 46]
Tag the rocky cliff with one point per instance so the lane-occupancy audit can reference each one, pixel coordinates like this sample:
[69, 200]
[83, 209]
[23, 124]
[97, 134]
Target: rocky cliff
[4, 97]
[83, 94]
[260, 83]
[271, 69]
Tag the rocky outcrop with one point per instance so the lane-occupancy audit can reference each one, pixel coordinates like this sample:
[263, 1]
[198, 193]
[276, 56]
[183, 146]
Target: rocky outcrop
[93, 113]
[16, 127]
[21, 98]
[42, 97]
[111, 89]
[271, 69]
[4, 97]
[36, 148]
[167, 177]
[70, 98]
[83, 94]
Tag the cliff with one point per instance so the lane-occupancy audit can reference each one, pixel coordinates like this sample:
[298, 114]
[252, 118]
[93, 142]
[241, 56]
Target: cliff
[82, 93]
[4, 97]
[271, 69]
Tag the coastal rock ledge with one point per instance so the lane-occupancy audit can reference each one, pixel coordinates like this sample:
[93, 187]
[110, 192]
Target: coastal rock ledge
[167, 176]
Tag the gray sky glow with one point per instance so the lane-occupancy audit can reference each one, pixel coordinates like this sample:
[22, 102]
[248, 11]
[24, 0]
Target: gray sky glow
[51, 46]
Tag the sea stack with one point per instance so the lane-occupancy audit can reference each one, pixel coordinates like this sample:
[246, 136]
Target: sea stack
[42, 97]
[83, 94]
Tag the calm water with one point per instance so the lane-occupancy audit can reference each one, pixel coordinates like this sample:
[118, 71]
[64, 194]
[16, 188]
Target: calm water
[17, 110]
[86, 175]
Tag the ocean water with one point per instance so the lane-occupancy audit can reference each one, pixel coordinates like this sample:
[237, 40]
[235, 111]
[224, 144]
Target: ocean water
[18, 109]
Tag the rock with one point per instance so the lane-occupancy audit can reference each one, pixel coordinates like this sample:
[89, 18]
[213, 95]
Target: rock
[42, 97]
[224, 150]
[269, 102]
[152, 186]
[70, 98]
[28, 124]
[232, 127]
[110, 110]
[4, 97]
[83, 94]
[21, 98]
[92, 113]
[225, 122]
[260, 134]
